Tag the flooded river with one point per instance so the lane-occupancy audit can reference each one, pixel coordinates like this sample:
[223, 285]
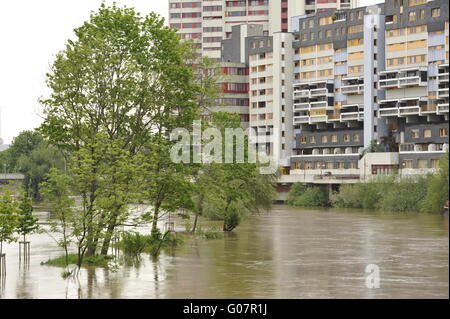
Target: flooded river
[288, 253]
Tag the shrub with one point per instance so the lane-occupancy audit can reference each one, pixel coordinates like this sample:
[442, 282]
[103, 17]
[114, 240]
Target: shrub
[314, 196]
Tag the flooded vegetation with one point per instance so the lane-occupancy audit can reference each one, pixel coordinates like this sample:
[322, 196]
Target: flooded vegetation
[287, 253]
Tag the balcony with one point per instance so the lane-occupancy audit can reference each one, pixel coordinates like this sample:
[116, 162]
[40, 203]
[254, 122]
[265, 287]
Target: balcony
[301, 106]
[318, 104]
[334, 117]
[442, 108]
[388, 79]
[301, 93]
[318, 92]
[318, 118]
[403, 78]
[411, 106]
[353, 85]
[443, 90]
[304, 119]
[413, 77]
[352, 116]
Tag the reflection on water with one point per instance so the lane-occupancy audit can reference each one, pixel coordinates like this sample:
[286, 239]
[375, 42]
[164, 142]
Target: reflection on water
[288, 253]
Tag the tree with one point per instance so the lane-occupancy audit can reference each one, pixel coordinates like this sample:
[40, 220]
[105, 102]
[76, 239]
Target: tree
[235, 190]
[124, 78]
[36, 165]
[22, 145]
[26, 222]
[437, 192]
[8, 218]
[56, 190]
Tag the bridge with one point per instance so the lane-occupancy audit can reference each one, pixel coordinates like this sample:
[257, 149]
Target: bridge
[11, 177]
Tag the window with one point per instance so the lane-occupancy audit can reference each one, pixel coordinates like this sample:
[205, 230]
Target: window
[407, 164]
[312, 140]
[434, 163]
[302, 139]
[324, 139]
[356, 138]
[415, 133]
[421, 14]
[346, 138]
[334, 138]
[443, 132]
[427, 132]
[412, 16]
[435, 12]
[422, 163]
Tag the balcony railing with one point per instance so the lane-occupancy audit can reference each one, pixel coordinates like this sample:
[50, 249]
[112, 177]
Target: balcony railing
[301, 119]
[388, 83]
[393, 111]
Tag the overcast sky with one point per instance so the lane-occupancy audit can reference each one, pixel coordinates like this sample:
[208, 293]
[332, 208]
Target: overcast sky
[31, 33]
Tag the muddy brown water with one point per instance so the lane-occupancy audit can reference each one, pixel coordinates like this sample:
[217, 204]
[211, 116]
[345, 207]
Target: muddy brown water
[287, 253]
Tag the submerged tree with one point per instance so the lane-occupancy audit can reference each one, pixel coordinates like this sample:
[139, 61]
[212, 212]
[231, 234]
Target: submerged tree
[231, 191]
[124, 79]
[26, 222]
[57, 191]
[8, 218]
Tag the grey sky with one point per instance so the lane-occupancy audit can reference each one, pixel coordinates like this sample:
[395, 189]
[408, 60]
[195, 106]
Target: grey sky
[31, 32]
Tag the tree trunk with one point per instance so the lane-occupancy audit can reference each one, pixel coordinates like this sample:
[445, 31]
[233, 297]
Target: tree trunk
[200, 212]
[155, 221]
[195, 223]
[107, 240]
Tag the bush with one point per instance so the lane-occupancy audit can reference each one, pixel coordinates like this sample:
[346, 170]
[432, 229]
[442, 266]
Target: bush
[96, 261]
[314, 196]
[212, 233]
[437, 188]
[389, 194]
[133, 243]
[405, 195]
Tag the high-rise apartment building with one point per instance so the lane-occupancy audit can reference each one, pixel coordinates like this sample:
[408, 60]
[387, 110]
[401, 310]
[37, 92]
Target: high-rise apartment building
[377, 73]
[320, 86]
[208, 22]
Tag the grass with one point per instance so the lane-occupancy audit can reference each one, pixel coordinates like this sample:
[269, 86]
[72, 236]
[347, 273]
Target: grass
[133, 243]
[212, 233]
[95, 261]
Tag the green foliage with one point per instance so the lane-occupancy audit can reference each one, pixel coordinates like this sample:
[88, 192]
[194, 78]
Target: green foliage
[211, 233]
[361, 195]
[31, 156]
[438, 188]
[304, 196]
[36, 165]
[417, 193]
[57, 191]
[134, 243]
[115, 90]
[91, 261]
[8, 217]
[374, 147]
[26, 222]
[404, 195]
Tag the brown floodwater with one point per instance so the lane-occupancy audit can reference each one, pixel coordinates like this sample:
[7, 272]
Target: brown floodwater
[287, 253]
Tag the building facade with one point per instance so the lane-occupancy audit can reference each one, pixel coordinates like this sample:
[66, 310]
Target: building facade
[329, 85]
[377, 74]
[208, 22]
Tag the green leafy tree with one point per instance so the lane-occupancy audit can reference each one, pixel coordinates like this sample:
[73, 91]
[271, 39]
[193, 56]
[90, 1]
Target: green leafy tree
[124, 78]
[235, 190]
[26, 222]
[8, 218]
[57, 191]
[36, 165]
